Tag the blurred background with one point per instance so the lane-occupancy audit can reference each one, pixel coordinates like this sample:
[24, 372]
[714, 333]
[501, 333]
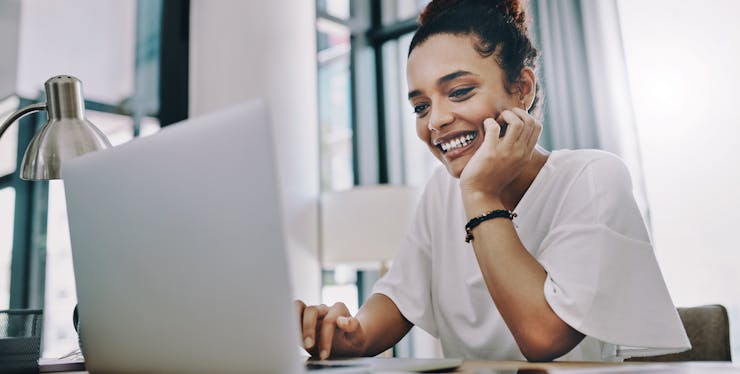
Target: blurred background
[651, 80]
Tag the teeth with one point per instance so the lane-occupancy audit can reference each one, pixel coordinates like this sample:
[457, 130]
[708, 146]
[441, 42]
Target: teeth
[457, 143]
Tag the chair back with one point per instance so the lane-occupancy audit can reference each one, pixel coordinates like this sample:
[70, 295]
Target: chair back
[708, 328]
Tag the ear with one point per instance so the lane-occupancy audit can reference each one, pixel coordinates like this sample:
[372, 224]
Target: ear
[526, 87]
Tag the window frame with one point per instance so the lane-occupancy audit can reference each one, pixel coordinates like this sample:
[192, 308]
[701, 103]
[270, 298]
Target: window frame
[28, 254]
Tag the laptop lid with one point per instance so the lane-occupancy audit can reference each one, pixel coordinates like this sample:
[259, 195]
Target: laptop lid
[178, 250]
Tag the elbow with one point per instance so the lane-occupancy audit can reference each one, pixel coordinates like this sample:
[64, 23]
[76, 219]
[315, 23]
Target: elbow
[539, 352]
[540, 355]
[541, 346]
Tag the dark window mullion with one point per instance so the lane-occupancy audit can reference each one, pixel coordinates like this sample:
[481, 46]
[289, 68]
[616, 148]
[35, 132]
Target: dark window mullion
[393, 31]
[353, 110]
[6, 180]
[174, 62]
[376, 23]
[107, 108]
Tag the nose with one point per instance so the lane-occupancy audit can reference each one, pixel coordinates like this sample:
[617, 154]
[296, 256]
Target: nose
[439, 117]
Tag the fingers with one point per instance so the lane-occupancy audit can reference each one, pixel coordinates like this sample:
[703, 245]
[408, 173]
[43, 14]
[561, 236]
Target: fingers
[299, 306]
[310, 319]
[319, 324]
[530, 125]
[348, 324]
[535, 136]
[522, 127]
[328, 327]
[493, 129]
[514, 128]
[533, 129]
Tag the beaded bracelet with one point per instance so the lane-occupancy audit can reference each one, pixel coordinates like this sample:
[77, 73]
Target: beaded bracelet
[499, 213]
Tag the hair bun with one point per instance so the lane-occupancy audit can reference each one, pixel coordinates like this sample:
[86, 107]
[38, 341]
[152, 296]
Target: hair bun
[513, 8]
[434, 8]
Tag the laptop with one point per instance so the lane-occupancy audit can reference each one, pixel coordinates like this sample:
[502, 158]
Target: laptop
[179, 253]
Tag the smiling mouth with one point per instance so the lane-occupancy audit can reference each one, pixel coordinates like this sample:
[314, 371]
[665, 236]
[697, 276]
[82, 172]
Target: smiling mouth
[457, 142]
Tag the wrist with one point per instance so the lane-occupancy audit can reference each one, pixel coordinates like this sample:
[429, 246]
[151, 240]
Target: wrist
[474, 222]
[478, 203]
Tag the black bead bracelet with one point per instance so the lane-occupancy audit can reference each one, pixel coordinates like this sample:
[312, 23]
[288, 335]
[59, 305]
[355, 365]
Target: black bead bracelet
[499, 213]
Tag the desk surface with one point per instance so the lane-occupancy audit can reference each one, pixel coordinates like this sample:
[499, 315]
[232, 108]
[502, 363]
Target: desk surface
[520, 367]
[510, 367]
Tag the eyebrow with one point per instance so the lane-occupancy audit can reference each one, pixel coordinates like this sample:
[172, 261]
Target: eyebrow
[444, 79]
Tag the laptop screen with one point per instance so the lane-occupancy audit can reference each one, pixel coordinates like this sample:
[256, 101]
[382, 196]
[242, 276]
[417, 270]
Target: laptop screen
[179, 253]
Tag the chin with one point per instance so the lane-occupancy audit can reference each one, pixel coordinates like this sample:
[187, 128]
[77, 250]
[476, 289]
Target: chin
[455, 173]
[456, 167]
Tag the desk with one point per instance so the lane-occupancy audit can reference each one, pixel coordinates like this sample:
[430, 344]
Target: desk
[512, 367]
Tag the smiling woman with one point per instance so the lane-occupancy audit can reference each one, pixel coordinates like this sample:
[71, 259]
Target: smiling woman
[466, 86]
[538, 271]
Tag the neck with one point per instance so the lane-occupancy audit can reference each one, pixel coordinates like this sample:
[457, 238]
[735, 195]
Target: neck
[519, 186]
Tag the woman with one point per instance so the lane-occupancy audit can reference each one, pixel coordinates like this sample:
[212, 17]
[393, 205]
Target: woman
[554, 261]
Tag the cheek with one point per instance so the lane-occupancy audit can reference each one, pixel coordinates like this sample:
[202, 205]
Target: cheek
[422, 130]
[478, 110]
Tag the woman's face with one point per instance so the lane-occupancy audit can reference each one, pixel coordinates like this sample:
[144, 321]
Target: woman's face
[453, 89]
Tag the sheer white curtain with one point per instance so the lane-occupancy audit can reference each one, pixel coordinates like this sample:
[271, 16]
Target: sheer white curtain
[683, 65]
[587, 102]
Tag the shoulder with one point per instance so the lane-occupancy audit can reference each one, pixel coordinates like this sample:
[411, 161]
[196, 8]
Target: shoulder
[587, 158]
[596, 167]
[597, 188]
[587, 184]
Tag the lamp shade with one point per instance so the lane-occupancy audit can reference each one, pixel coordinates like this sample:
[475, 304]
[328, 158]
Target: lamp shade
[365, 225]
[66, 135]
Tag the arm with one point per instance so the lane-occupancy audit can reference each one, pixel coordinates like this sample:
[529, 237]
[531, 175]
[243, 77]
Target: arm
[383, 323]
[515, 280]
[332, 331]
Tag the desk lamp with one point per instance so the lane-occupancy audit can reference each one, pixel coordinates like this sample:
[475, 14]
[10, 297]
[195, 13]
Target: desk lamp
[66, 135]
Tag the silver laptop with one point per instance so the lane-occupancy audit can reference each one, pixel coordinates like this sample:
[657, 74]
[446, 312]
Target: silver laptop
[179, 254]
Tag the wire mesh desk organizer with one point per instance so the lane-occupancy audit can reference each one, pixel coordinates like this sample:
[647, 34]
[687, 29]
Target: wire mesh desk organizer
[20, 340]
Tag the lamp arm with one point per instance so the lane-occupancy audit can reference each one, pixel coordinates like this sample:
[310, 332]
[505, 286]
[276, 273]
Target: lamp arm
[20, 113]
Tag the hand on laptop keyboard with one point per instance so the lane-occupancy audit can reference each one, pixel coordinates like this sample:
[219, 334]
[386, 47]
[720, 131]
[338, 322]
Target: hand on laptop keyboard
[330, 331]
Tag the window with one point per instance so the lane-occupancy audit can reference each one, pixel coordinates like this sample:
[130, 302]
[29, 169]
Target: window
[130, 86]
[60, 295]
[334, 98]
[7, 201]
[8, 156]
[368, 133]
[9, 141]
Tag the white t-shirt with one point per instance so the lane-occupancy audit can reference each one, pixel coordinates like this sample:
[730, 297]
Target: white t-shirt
[579, 219]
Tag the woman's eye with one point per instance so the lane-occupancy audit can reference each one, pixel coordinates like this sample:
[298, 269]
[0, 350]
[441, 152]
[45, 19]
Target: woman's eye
[418, 109]
[460, 92]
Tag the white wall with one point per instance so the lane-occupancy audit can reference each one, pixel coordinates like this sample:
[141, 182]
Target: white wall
[10, 11]
[683, 60]
[39, 41]
[56, 38]
[241, 50]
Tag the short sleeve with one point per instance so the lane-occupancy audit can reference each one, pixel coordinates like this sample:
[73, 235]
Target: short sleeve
[408, 282]
[603, 278]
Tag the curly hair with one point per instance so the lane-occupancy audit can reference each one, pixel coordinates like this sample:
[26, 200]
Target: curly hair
[500, 28]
